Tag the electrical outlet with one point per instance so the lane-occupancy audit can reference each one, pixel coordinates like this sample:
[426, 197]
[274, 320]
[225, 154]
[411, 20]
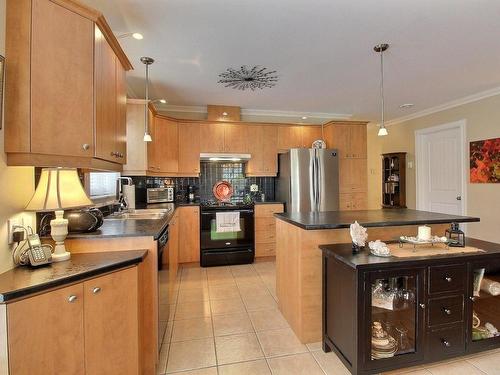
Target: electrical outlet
[11, 224]
[410, 165]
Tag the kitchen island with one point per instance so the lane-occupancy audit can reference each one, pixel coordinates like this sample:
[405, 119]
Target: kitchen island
[298, 258]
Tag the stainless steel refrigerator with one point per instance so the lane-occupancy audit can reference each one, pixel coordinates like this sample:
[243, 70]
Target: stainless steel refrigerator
[308, 180]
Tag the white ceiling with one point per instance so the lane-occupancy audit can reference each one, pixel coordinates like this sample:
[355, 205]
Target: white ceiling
[441, 50]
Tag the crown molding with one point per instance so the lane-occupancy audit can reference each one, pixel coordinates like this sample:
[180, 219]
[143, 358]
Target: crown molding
[182, 108]
[442, 107]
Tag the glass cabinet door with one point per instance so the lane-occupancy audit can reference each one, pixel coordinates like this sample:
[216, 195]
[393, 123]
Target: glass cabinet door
[485, 296]
[395, 316]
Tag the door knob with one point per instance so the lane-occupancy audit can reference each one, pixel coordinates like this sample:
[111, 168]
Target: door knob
[459, 197]
[85, 146]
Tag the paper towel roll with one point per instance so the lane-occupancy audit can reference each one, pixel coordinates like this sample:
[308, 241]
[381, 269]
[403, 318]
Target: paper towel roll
[129, 193]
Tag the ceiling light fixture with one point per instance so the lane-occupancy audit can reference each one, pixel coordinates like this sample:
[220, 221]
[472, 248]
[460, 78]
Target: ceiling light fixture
[245, 78]
[304, 117]
[147, 136]
[137, 36]
[406, 105]
[381, 48]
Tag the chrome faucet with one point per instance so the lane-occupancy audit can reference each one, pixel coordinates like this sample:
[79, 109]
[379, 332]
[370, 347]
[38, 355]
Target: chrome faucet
[120, 197]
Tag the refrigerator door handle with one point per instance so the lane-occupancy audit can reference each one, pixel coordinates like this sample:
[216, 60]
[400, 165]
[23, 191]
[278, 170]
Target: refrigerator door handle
[319, 177]
[316, 180]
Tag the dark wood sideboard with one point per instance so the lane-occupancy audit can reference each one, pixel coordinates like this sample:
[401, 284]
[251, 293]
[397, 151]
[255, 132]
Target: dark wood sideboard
[426, 305]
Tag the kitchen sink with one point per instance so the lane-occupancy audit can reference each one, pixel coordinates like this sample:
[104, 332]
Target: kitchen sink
[140, 214]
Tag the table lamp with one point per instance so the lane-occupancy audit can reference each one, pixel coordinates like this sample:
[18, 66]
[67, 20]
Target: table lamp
[57, 190]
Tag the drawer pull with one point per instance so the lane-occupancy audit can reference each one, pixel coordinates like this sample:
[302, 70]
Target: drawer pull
[448, 279]
[72, 298]
[446, 343]
[422, 305]
[447, 311]
[96, 290]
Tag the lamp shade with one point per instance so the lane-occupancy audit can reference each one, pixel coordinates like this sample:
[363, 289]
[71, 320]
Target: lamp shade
[58, 189]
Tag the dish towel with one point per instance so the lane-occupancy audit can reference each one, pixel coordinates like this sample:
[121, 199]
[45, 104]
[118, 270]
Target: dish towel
[227, 222]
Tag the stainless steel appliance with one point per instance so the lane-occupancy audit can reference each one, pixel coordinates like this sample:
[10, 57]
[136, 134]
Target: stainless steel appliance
[226, 248]
[309, 180]
[160, 195]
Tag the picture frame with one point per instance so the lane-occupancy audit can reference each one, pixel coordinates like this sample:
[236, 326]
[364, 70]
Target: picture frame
[2, 76]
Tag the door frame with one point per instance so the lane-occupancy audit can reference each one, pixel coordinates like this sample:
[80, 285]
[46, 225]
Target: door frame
[419, 152]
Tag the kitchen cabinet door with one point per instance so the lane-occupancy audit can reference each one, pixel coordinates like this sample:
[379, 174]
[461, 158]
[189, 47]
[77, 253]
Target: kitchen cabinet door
[289, 137]
[352, 175]
[62, 81]
[212, 137]
[310, 134]
[166, 145]
[236, 138]
[357, 141]
[269, 150]
[173, 253]
[46, 333]
[121, 113]
[189, 234]
[189, 148]
[152, 163]
[352, 201]
[112, 323]
[255, 147]
[106, 99]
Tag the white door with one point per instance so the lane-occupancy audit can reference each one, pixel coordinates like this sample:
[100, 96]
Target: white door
[441, 169]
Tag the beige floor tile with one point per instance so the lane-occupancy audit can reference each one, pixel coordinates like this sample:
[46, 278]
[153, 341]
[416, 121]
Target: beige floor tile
[280, 342]
[249, 289]
[455, 368]
[227, 306]
[192, 295]
[193, 284]
[237, 348]
[258, 367]
[190, 310]
[268, 319]
[221, 281]
[164, 311]
[201, 371]
[253, 279]
[168, 333]
[190, 329]
[489, 363]
[162, 363]
[190, 355]
[330, 363]
[232, 324]
[171, 314]
[226, 291]
[298, 364]
[414, 370]
[263, 302]
[315, 346]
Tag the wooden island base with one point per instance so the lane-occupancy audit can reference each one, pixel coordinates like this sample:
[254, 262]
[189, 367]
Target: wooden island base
[298, 270]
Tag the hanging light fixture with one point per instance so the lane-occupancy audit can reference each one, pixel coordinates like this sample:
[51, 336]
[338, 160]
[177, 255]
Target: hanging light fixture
[381, 48]
[147, 136]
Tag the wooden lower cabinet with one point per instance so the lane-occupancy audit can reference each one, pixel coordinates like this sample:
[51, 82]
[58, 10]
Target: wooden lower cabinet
[77, 329]
[172, 253]
[189, 233]
[265, 229]
[353, 201]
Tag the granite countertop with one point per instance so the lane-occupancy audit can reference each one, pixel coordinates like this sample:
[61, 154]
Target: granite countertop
[364, 259]
[24, 281]
[369, 218]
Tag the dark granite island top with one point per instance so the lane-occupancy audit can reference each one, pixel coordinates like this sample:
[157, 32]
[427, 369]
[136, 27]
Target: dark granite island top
[369, 218]
[23, 281]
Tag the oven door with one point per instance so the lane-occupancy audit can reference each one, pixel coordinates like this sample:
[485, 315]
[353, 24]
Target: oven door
[210, 239]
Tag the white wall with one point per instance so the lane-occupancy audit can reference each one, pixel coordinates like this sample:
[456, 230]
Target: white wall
[16, 183]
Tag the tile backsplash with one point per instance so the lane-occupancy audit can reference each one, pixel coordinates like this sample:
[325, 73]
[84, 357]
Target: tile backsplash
[210, 173]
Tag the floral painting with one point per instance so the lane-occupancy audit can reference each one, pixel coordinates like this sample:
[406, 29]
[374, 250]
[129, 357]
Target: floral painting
[485, 161]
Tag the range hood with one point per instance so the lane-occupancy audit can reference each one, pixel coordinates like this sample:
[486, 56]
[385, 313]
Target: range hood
[224, 157]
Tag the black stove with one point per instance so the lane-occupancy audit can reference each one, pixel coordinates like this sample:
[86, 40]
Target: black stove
[215, 205]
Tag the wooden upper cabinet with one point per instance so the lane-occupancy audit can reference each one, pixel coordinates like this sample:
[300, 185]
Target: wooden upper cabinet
[349, 139]
[121, 112]
[39, 347]
[152, 164]
[289, 137]
[310, 133]
[212, 137]
[112, 323]
[61, 81]
[357, 141]
[189, 148]
[166, 145]
[235, 138]
[61, 95]
[263, 148]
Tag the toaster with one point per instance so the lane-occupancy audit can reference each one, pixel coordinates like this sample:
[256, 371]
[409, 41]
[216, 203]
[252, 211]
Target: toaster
[160, 195]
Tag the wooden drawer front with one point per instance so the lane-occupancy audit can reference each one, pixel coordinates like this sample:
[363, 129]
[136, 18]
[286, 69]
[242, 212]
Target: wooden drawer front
[447, 278]
[265, 224]
[265, 236]
[446, 342]
[267, 210]
[446, 310]
[265, 249]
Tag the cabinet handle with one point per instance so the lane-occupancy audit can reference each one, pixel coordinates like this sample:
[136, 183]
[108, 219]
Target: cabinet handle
[447, 311]
[112, 153]
[72, 298]
[471, 298]
[85, 146]
[448, 279]
[422, 305]
[446, 343]
[96, 290]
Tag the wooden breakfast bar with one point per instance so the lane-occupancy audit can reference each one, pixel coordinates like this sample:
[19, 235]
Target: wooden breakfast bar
[298, 258]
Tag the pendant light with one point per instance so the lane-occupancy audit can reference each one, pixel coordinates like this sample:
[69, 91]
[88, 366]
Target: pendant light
[147, 136]
[381, 48]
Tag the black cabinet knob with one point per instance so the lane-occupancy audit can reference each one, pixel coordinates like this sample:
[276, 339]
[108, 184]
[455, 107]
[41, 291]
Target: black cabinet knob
[447, 311]
[446, 343]
[448, 279]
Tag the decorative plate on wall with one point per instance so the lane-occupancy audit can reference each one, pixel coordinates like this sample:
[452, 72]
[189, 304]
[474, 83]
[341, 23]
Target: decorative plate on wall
[223, 191]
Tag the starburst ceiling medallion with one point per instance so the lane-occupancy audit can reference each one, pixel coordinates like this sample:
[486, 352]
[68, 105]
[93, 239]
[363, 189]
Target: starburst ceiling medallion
[246, 78]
